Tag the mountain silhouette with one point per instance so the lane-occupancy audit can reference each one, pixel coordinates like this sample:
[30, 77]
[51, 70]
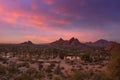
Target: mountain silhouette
[73, 41]
[99, 43]
[27, 43]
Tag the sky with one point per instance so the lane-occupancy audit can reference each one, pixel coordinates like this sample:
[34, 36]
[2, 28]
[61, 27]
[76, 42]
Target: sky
[43, 21]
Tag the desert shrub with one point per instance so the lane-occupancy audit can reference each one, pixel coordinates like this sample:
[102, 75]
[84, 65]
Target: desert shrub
[39, 76]
[86, 57]
[31, 71]
[50, 76]
[2, 59]
[57, 78]
[114, 64]
[100, 76]
[2, 70]
[26, 65]
[48, 70]
[12, 68]
[78, 75]
[52, 65]
[40, 66]
[24, 77]
[58, 70]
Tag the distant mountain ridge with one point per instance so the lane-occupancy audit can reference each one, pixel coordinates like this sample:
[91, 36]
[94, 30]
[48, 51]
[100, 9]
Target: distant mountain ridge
[73, 41]
[27, 43]
[99, 43]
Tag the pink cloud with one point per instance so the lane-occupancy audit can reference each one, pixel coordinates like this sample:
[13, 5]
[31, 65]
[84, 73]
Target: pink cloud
[49, 1]
[17, 16]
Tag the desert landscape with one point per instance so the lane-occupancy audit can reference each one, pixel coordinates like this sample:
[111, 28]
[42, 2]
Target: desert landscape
[59, 39]
[59, 60]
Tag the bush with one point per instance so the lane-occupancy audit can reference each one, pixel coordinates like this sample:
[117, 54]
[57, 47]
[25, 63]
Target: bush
[57, 78]
[100, 76]
[2, 70]
[58, 70]
[48, 70]
[86, 57]
[78, 76]
[31, 71]
[52, 65]
[24, 77]
[114, 64]
[12, 68]
[39, 76]
[40, 67]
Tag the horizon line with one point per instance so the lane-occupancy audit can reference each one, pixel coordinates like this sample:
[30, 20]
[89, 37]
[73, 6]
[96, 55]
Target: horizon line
[11, 42]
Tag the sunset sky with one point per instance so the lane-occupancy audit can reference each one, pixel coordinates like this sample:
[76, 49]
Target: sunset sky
[43, 21]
